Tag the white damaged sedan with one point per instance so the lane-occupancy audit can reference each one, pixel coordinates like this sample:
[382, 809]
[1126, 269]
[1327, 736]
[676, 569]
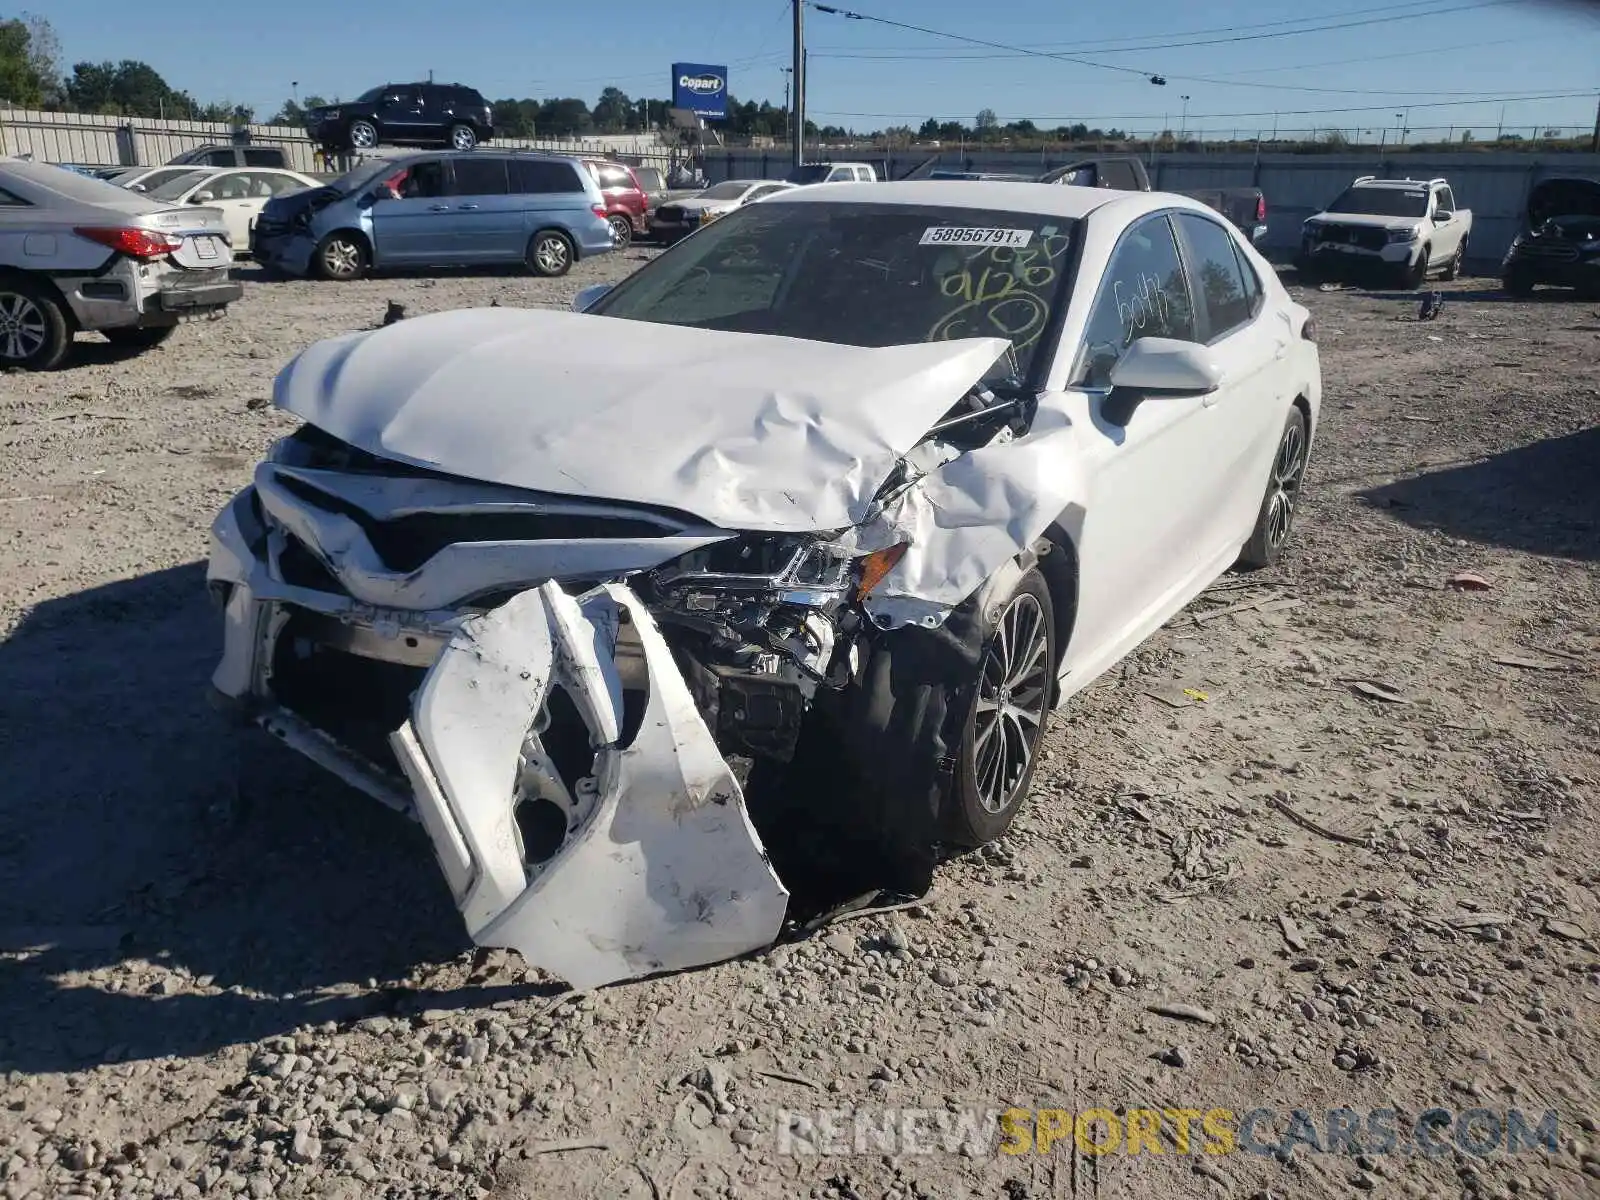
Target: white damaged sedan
[818, 515]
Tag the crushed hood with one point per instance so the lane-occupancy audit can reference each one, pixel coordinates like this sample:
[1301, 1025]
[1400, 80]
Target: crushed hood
[744, 431]
[1569, 197]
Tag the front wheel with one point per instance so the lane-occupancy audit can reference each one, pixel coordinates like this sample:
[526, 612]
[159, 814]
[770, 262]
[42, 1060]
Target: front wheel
[550, 254]
[1453, 270]
[1010, 705]
[362, 134]
[341, 256]
[1517, 283]
[1276, 518]
[462, 137]
[1416, 274]
[134, 337]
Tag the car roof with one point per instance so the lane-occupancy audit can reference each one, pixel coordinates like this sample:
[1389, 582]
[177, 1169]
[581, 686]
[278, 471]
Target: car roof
[1404, 185]
[1045, 199]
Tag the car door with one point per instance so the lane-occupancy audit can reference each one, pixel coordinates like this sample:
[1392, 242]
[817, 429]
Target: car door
[486, 217]
[1147, 459]
[1448, 228]
[417, 227]
[400, 113]
[1252, 341]
[229, 192]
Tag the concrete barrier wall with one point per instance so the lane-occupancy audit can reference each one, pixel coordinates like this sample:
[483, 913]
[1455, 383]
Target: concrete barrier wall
[93, 140]
[1493, 185]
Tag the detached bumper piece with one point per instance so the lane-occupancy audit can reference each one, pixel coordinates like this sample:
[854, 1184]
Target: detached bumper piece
[644, 861]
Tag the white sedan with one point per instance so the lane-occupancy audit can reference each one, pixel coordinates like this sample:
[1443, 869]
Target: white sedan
[239, 193]
[679, 218]
[852, 489]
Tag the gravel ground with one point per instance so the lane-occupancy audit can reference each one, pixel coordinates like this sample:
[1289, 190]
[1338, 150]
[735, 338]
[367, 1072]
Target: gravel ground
[1365, 858]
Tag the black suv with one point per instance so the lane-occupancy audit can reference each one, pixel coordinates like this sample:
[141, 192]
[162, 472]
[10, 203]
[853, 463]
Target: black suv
[405, 114]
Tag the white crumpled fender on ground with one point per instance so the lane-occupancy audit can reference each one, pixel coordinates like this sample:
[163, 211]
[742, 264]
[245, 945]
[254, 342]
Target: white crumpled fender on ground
[661, 868]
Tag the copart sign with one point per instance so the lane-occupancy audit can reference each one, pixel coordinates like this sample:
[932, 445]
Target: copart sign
[701, 89]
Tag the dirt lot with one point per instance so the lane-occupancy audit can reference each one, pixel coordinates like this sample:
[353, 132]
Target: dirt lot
[222, 973]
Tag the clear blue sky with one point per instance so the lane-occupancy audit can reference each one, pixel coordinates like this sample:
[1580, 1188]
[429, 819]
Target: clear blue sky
[1452, 61]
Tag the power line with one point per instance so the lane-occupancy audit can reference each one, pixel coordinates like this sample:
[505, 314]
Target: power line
[1282, 112]
[1154, 77]
[1106, 43]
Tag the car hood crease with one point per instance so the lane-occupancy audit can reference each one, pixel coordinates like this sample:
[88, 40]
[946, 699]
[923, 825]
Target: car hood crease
[744, 431]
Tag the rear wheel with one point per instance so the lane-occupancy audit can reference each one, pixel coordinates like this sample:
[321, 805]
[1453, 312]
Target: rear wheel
[621, 230]
[341, 256]
[133, 337]
[463, 137]
[999, 743]
[363, 134]
[34, 331]
[550, 254]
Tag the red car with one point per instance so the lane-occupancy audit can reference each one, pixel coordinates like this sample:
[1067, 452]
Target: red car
[627, 208]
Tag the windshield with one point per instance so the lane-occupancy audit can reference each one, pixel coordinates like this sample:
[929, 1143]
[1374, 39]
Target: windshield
[1381, 202]
[810, 173]
[359, 177]
[725, 191]
[175, 186]
[862, 275]
[372, 95]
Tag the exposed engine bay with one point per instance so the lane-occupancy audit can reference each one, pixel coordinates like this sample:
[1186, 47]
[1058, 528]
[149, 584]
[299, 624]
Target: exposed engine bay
[500, 663]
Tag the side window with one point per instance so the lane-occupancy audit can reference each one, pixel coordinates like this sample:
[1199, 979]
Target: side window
[540, 177]
[1121, 176]
[1252, 282]
[839, 175]
[218, 158]
[8, 200]
[423, 181]
[480, 176]
[1143, 294]
[1447, 200]
[229, 185]
[1214, 270]
[263, 158]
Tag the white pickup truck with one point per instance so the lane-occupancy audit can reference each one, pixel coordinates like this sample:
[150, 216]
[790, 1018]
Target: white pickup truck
[1410, 226]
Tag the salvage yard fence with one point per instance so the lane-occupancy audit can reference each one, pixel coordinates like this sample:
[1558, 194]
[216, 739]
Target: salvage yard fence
[1493, 185]
[88, 139]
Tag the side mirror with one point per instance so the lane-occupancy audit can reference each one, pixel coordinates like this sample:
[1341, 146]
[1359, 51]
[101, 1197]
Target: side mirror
[588, 295]
[1167, 366]
[202, 198]
[368, 199]
[137, 187]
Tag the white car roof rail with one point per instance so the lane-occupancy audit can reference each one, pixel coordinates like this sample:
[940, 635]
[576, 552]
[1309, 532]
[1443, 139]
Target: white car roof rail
[1365, 178]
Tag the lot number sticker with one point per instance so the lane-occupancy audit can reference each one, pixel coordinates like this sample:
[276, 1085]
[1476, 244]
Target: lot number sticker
[960, 235]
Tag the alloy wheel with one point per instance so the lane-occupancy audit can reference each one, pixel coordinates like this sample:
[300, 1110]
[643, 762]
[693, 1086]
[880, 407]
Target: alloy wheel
[22, 327]
[621, 232]
[363, 136]
[343, 258]
[463, 138]
[551, 254]
[1287, 469]
[1013, 694]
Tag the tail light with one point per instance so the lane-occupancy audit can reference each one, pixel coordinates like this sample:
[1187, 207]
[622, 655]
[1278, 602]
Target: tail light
[599, 210]
[1261, 210]
[132, 241]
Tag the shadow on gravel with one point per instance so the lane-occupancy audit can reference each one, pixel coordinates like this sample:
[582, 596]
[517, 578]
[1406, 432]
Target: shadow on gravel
[136, 824]
[1542, 498]
[1489, 295]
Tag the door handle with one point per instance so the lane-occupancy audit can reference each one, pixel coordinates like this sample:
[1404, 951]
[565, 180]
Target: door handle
[1282, 348]
[438, 208]
[469, 206]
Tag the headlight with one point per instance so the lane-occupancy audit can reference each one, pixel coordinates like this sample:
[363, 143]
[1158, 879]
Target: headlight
[1402, 235]
[331, 114]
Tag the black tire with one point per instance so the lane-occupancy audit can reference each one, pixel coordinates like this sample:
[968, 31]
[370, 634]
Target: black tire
[1517, 283]
[1307, 273]
[35, 332]
[550, 253]
[1275, 520]
[462, 137]
[1414, 275]
[361, 134]
[341, 257]
[1452, 269]
[997, 748]
[134, 337]
[621, 230]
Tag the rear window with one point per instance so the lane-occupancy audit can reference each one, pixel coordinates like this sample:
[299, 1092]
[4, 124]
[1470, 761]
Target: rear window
[537, 177]
[480, 176]
[264, 157]
[608, 176]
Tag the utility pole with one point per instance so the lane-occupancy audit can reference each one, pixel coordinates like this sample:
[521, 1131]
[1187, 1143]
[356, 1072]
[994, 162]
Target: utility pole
[797, 139]
[788, 131]
[1594, 143]
[1183, 131]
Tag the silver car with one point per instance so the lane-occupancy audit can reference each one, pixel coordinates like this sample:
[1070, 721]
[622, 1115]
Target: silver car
[79, 253]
